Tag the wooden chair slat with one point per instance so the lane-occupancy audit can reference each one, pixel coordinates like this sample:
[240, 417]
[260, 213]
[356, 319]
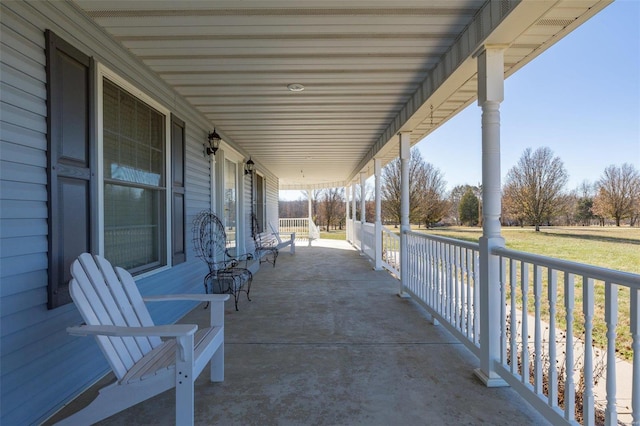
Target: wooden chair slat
[144, 366]
[136, 308]
[105, 343]
[91, 280]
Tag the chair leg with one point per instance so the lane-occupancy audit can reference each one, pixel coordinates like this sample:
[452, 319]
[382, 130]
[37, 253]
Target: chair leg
[217, 365]
[185, 400]
[249, 281]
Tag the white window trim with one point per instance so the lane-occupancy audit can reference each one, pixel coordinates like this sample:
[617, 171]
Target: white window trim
[102, 72]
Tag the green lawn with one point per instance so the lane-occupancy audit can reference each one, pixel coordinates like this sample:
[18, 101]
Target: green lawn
[608, 247]
[334, 235]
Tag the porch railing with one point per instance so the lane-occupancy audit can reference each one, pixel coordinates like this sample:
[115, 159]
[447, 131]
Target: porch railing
[442, 275]
[391, 251]
[369, 240]
[305, 229]
[357, 234]
[543, 334]
[566, 302]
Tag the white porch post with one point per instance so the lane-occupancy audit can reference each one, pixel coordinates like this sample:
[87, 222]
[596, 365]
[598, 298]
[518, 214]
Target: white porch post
[353, 202]
[347, 194]
[490, 94]
[309, 192]
[363, 209]
[405, 142]
[377, 167]
[353, 212]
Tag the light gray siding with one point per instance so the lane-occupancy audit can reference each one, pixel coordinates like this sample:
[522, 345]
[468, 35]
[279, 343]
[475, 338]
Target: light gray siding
[41, 366]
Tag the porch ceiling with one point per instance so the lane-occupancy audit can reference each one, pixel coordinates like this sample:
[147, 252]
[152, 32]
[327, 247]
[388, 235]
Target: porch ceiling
[369, 68]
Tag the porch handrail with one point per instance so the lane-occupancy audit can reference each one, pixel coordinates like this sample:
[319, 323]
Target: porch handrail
[626, 279]
[443, 275]
[525, 274]
[302, 226]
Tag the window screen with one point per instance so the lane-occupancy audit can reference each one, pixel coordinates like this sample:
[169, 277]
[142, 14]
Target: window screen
[134, 181]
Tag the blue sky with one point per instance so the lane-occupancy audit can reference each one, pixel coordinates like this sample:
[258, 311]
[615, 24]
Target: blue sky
[581, 98]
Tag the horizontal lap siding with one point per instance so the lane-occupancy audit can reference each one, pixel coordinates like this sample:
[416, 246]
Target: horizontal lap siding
[41, 366]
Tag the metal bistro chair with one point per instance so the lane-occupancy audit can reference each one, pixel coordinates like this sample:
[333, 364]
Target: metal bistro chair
[225, 273]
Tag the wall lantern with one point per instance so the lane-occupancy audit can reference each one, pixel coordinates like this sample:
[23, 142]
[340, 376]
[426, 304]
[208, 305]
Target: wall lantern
[214, 142]
[248, 167]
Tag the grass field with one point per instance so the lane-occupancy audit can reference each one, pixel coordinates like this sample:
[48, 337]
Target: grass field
[607, 247]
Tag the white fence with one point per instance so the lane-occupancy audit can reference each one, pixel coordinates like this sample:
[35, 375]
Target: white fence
[369, 240]
[442, 275]
[305, 230]
[391, 251]
[565, 302]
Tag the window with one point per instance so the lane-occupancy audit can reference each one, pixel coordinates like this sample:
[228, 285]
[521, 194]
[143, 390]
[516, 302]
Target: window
[259, 202]
[230, 201]
[109, 196]
[134, 178]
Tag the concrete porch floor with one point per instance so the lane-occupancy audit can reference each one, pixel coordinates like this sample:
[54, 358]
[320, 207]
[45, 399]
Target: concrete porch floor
[326, 341]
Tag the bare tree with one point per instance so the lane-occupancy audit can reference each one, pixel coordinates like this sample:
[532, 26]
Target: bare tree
[618, 193]
[433, 204]
[331, 206]
[533, 187]
[391, 184]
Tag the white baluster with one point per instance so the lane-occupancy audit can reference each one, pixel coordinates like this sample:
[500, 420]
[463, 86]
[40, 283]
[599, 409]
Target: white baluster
[453, 294]
[524, 286]
[635, 335]
[569, 384]
[513, 326]
[476, 297]
[553, 369]
[467, 295]
[588, 405]
[503, 310]
[537, 294]
[611, 318]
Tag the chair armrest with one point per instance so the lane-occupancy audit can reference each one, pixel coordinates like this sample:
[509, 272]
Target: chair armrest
[173, 330]
[191, 297]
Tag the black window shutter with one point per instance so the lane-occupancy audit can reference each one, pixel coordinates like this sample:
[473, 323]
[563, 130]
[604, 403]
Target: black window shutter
[178, 212]
[69, 163]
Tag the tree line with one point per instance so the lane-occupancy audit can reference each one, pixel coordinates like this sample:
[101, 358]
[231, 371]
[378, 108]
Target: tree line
[534, 193]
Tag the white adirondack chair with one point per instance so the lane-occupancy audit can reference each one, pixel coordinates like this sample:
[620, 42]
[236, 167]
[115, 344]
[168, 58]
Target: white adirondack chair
[143, 363]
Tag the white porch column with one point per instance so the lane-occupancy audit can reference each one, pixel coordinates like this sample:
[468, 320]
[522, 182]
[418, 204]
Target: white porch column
[377, 168]
[405, 145]
[353, 201]
[309, 192]
[353, 212]
[490, 94]
[363, 208]
[347, 211]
